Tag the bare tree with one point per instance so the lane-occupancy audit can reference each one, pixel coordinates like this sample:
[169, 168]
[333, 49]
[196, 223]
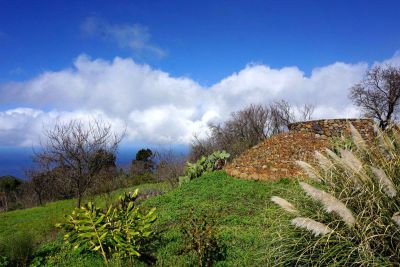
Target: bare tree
[378, 94]
[74, 148]
[282, 114]
[40, 184]
[306, 112]
[170, 166]
[244, 129]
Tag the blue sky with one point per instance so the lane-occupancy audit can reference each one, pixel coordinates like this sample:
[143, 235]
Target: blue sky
[164, 70]
[205, 40]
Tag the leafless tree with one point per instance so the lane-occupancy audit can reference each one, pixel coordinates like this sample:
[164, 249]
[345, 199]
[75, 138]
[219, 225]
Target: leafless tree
[74, 148]
[378, 94]
[306, 112]
[244, 129]
[170, 166]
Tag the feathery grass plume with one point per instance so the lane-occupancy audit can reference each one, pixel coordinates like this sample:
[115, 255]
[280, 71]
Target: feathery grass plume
[357, 138]
[333, 155]
[350, 160]
[384, 182]
[309, 170]
[384, 140]
[330, 203]
[323, 161]
[396, 218]
[339, 161]
[284, 204]
[315, 227]
[354, 164]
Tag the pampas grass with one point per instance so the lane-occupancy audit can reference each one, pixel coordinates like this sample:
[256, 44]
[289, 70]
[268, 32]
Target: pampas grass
[385, 183]
[284, 204]
[317, 228]
[396, 218]
[359, 205]
[331, 204]
[323, 161]
[309, 170]
[357, 138]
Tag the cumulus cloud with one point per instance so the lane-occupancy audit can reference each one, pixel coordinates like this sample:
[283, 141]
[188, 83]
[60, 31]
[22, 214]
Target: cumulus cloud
[157, 108]
[133, 36]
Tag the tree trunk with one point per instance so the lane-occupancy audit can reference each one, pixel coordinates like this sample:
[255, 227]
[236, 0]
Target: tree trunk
[78, 204]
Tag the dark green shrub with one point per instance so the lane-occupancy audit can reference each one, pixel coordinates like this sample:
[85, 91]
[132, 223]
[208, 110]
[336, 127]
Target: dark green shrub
[17, 249]
[200, 237]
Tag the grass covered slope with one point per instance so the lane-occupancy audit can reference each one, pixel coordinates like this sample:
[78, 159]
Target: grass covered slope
[247, 222]
[40, 222]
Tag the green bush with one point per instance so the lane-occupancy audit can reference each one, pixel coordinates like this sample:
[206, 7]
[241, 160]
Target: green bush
[117, 232]
[200, 237]
[353, 207]
[16, 249]
[213, 162]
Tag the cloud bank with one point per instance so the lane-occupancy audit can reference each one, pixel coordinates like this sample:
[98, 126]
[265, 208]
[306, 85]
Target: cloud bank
[156, 108]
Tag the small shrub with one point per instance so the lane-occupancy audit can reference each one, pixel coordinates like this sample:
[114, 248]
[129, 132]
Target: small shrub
[17, 249]
[356, 221]
[117, 232]
[215, 161]
[200, 237]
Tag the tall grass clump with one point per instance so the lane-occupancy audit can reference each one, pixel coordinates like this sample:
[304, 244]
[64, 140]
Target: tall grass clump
[351, 213]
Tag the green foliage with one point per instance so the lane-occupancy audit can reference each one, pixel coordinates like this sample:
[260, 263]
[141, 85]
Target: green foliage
[213, 162]
[117, 232]
[200, 237]
[343, 142]
[144, 154]
[9, 183]
[16, 249]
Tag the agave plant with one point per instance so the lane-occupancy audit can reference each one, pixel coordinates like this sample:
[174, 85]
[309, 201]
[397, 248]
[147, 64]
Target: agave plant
[356, 189]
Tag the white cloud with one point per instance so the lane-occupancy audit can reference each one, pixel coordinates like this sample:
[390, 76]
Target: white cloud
[133, 36]
[157, 108]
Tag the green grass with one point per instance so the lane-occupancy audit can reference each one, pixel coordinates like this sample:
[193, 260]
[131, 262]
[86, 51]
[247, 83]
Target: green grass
[247, 223]
[39, 221]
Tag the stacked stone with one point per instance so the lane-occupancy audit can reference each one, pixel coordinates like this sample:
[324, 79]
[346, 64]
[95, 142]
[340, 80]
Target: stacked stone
[275, 158]
[334, 127]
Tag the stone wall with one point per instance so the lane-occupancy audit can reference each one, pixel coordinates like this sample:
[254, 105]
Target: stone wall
[334, 127]
[274, 158]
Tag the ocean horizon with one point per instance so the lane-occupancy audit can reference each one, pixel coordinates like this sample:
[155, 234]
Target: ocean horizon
[16, 161]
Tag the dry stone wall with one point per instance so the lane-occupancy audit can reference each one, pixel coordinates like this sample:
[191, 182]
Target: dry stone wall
[274, 158]
[334, 127]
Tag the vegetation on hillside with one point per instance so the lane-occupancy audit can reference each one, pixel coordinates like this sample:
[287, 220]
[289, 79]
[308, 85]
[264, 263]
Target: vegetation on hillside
[354, 219]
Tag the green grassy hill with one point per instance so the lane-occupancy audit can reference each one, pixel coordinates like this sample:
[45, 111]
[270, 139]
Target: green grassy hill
[247, 223]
